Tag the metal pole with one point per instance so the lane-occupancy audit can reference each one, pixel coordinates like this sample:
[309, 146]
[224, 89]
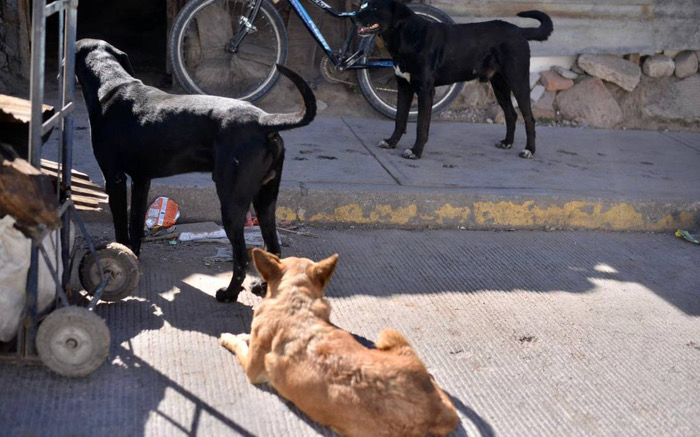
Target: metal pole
[68, 92]
[31, 304]
[36, 90]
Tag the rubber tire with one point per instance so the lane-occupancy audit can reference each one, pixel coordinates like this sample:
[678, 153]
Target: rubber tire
[115, 258]
[89, 334]
[188, 83]
[387, 109]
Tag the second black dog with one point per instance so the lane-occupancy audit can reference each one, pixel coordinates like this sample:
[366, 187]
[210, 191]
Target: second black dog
[140, 131]
[428, 54]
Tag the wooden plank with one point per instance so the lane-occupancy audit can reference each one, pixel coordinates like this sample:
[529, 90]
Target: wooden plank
[98, 196]
[53, 167]
[16, 110]
[27, 195]
[85, 200]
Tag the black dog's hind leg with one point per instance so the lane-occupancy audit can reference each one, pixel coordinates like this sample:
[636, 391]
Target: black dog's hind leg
[233, 217]
[115, 186]
[522, 95]
[426, 94]
[403, 107]
[236, 186]
[502, 92]
[139, 204]
[265, 204]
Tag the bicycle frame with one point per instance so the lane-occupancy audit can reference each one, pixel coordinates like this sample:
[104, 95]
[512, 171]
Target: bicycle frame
[341, 61]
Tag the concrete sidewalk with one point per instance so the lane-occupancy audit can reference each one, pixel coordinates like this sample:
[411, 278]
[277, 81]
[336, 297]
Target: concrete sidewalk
[580, 178]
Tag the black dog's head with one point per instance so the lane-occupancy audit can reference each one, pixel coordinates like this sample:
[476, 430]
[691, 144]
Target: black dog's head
[380, 16]
[98, 60]
[98, 63]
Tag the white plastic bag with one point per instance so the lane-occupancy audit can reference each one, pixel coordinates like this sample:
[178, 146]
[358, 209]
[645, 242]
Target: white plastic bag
[14, 266]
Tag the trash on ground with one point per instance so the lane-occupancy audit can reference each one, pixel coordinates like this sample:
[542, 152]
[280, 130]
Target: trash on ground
[250, 220]
[163, 213]
[253, 238]
[222, 255]
[200, 231]
[687, 236]
[163, 234]
[295, 232]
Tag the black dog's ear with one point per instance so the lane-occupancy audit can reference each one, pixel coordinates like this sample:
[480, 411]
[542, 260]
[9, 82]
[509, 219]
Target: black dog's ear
[122, 58]
[124, 61]
[399, 13]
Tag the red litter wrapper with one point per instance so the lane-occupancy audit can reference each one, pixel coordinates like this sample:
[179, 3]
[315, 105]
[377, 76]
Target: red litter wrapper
[163, 213]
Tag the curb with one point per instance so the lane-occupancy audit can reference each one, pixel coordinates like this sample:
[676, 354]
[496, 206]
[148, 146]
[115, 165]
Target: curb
[411, 207]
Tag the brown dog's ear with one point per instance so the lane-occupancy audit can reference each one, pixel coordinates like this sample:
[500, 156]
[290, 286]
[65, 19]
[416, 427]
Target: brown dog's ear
[323, 270]
[267, 264]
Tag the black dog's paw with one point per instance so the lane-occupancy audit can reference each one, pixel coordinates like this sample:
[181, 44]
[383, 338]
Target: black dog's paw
[226, 296]
[503, 145]
[258, 287]
[384, 144]
[526, 154]
[408, 154]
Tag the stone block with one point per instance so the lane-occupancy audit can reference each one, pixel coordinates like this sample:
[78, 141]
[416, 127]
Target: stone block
[686, 64]
[634, 57]
[474, 95]
[576, 69]
[612, 69]
[534, 77]
[544, 108]
[658, 66]
[564, 72]
[554, 82]
[678, 101]
[536, 93]
[589, 102]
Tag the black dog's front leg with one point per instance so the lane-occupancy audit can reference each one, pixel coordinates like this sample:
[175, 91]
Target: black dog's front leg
[403, 107]
[139, 204]
[115, 185]
[426, 93]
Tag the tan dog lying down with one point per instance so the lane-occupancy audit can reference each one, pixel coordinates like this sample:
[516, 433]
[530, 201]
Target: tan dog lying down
[324, 371]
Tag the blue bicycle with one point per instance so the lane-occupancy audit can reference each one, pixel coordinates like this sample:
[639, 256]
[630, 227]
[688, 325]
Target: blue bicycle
[230, 47]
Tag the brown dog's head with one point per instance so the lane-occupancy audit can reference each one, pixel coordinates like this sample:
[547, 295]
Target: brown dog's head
[379, 16]
[308, 276]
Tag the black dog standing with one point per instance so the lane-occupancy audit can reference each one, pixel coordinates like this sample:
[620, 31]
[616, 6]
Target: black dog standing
[140, 131]
[428, 54]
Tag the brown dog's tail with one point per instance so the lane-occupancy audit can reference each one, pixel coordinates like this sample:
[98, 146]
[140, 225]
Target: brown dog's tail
[391, 340]
[537, 33]
[278, 122]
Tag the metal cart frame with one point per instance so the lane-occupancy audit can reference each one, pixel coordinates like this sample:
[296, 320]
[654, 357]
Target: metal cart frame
[67, 11]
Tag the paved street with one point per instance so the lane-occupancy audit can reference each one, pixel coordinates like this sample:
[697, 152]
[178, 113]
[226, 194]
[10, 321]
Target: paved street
[531, 333]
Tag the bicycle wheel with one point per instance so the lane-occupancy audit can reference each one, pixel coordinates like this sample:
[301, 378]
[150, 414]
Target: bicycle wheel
[199, 51]
[378, 85]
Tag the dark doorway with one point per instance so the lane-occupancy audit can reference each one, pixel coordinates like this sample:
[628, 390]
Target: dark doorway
[136, 27]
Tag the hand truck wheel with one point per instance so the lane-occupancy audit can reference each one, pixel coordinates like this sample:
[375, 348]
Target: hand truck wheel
[119, 262]
[73, 341]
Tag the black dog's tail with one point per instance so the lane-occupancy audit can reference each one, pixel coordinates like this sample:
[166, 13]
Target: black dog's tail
[278, 122]
[537, 33]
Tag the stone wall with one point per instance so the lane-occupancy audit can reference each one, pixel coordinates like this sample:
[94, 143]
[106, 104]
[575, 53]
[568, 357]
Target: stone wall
[14, 43]
[603, 91]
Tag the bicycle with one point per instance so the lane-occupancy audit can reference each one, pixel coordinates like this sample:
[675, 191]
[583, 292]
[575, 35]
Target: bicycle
[230, 47]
